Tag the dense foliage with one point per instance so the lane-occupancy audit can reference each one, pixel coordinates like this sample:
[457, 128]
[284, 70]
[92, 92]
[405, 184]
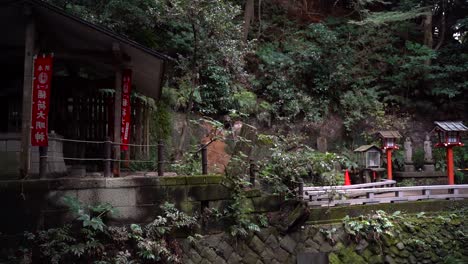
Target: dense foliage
[382, 237]
[291, 161]
[87, 239]
[302, 60]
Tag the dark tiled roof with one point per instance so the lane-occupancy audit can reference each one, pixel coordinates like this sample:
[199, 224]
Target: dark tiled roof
[98, 28]
[451, 125]
[389, 134]
[364, 148]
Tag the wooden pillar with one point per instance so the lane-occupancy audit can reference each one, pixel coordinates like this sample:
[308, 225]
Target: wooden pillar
[204, 156]
[160, 158]
[25, 156]
[43, 162]
[450, 171]
[389, 164]
[117, 119]
[252, 172]
[108, 154]
[300, 189]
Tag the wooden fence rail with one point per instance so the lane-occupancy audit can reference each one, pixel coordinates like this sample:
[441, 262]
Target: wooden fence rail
[332, 197]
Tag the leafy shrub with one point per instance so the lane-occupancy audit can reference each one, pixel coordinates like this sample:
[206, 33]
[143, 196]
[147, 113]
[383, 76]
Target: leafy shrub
[291, 161]
[238, 213]
[407, 182]
[418, 158]
[246, 102]
[89, 240]
[190, 164]
[371, 226]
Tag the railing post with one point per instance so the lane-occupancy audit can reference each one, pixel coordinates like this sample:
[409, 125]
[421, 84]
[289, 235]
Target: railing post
[204, 159]
[107, 161]
[252, 173]
[300, 189]
[160, 158]
[126, 163]
[42, 162]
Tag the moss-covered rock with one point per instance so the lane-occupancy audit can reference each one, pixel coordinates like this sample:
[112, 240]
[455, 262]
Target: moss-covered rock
[389, 240]
[375, 259]
[348, 255]
[367, 254]
[394, 250]
[405, 254]
[334, 259]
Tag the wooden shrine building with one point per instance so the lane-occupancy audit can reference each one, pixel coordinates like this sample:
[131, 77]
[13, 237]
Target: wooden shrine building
[86, 86]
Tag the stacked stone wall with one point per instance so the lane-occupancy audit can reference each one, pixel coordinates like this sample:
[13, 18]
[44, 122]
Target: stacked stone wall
[416, 240]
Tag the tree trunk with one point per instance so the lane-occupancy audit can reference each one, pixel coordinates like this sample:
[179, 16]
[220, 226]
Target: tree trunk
[441, 33]
[248, 17]
[428, 41]
[428, 30]
[183, 135]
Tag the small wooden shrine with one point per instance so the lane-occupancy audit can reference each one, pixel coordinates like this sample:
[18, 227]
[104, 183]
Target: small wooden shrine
[369, 161]
[449, 135]
[368, 156]
[87, 87]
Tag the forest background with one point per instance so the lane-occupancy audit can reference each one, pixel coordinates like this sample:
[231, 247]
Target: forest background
[356, 66]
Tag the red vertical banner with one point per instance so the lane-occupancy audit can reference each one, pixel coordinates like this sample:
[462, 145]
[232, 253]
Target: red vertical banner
[40, 100]
[126, 109]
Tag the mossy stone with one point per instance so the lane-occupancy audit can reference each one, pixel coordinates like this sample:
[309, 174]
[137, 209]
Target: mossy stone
[375, 259]
[404, 254]
[348, 255]
[252, 193]
[367, 254]
[394, 250]
[190, 208]
[208, 192]
[389, 240]
[339, 246]
[267, 203]
[173, 180]
[333, 259]
[434, 257]
[389, 260]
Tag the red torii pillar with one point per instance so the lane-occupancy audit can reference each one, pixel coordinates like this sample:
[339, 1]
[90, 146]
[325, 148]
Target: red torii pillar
[450, 170]
[389, 163]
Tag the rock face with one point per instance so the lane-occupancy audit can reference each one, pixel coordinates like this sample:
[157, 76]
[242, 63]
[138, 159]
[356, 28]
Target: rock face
[424, 240]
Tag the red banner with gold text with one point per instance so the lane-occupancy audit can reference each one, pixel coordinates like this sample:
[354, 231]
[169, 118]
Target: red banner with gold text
[126, 109]
[40, 100]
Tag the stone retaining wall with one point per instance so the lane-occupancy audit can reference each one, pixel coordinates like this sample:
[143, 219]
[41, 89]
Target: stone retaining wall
[420, 240]
[10, 148]
[37, 204]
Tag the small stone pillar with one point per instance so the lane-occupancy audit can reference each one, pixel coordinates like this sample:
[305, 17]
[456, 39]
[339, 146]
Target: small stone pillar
[409, 165]
[428, 160]
[322, 145]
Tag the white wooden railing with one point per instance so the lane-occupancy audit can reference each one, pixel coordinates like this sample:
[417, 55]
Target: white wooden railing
[339, 195]
[383, 183]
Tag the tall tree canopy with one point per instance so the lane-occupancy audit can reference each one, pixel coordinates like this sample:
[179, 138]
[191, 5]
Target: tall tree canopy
[298, 60]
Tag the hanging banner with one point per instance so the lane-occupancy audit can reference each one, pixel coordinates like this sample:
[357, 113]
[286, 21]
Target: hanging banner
[40, 100]
[126, 109]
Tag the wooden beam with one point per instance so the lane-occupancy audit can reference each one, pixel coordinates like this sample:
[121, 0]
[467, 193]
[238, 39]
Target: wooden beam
[117, 118]
[25, 156]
